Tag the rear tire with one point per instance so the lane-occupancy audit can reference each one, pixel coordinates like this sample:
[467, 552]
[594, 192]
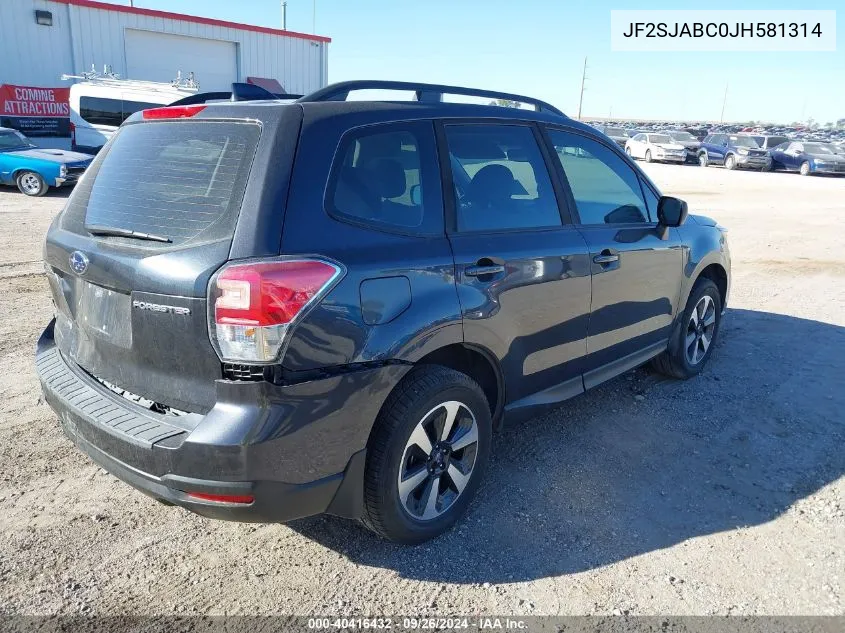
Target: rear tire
[414, 447]
[692, 344]
[730, 162]
[31, 183]
[805, 169]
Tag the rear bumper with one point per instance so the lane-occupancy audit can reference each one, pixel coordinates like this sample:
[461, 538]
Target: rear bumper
[297, 449]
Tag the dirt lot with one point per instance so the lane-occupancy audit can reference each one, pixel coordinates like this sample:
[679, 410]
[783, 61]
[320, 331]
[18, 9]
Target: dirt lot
[721, 495]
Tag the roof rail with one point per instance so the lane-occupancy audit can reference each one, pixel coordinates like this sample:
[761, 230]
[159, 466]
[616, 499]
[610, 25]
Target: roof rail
[429, 93]
[240, 92]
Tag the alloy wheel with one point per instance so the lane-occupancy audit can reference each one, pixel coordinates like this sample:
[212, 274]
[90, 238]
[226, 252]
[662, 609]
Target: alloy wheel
[30, 183]
[700, 329]
[438, 460]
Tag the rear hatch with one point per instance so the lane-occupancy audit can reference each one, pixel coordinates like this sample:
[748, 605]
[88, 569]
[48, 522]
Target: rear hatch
[130, 257]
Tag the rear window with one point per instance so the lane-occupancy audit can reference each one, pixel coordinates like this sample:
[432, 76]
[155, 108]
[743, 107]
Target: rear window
[183, 181]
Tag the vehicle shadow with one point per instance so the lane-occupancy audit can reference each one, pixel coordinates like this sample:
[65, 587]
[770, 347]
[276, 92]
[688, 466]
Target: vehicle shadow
[609, 476]
[58, 192]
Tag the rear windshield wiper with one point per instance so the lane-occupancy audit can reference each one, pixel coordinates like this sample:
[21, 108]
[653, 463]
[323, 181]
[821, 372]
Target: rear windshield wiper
[111, 230]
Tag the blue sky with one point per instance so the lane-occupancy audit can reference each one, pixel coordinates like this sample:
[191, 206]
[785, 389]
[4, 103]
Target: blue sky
[537, 47]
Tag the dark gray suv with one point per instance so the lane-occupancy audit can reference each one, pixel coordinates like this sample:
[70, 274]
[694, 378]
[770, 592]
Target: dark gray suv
[266, 310]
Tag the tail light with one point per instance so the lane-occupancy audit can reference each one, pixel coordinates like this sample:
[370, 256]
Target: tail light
[173, 112]
[72, 136]
[254, 305]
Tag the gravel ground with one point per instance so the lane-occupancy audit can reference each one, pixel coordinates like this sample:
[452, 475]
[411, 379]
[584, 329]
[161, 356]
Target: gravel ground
[719, 495]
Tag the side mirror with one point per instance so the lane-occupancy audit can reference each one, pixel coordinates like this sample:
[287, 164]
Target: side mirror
[670, 212]
[416, 195]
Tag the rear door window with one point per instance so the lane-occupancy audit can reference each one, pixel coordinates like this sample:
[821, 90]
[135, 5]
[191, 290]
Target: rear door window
[500, 178]
[182, 181]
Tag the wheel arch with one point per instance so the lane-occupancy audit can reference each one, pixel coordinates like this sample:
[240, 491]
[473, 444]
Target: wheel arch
[716, 273]
[16, 172]
[477, 363]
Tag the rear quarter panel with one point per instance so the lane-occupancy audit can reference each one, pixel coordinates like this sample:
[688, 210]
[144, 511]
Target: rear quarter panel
[418, 313]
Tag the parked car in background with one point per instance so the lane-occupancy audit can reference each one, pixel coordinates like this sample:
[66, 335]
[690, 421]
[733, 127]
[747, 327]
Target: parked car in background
[698, 132]
[690, 143]
[808, 158]
[337, 322]
[617, 134]
[659, 147]
[732, 151]
[99, 106]
[33, 170]
[768, 141]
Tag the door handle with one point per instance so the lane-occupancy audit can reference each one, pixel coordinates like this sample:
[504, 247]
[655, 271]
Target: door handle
[477, 271]
[606, 258]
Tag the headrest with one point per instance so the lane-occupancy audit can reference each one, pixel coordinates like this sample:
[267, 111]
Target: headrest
[494, 181]
[388, 177]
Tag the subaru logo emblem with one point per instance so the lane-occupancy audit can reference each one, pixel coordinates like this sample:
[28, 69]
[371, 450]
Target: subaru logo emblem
[78, 262]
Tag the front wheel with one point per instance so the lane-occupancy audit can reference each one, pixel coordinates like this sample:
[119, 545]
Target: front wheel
[628, 151]
[427, 454]
[693, 342]
[648, 158]
[805, 169]
[730, 162]
[31, 183]
[703, 159]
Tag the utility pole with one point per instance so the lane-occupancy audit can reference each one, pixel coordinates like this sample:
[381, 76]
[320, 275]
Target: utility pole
[284, 16]
[313, 17]
[583, 79]
[724, 101]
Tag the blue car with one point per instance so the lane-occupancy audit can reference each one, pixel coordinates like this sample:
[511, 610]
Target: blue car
[733, 151]
[808, 158]
[34, 170]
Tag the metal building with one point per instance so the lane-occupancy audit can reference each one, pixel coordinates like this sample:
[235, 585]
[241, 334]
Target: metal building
[42, 39]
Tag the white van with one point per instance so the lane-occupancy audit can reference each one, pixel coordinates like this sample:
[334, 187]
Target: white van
[99, 106]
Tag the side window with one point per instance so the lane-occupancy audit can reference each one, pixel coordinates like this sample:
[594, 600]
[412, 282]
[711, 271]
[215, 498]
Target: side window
[100, 111]
[605, 188]
[500, 178]
[131, 107]
[388, 176]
